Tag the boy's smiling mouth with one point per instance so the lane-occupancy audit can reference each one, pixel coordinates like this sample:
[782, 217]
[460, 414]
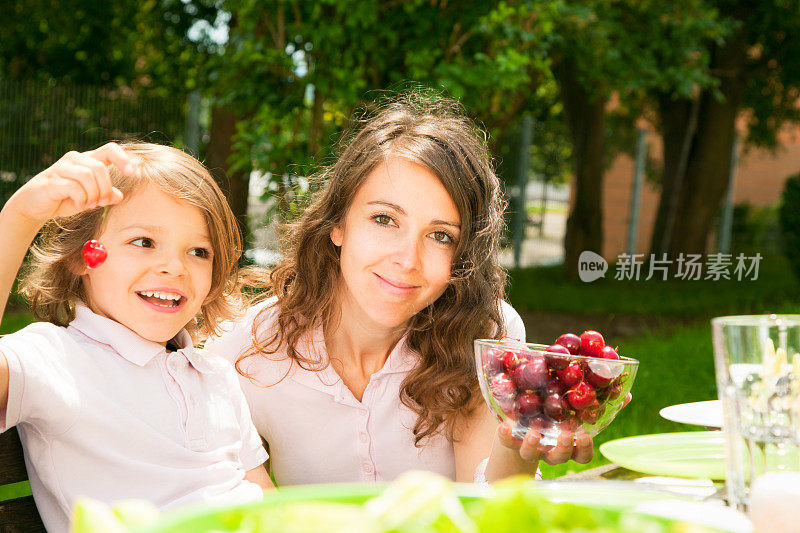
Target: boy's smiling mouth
[165, 299]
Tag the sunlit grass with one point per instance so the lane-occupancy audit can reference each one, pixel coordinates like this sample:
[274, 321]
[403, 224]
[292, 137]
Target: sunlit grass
[676, 365]
[674, 368]
[546, 289]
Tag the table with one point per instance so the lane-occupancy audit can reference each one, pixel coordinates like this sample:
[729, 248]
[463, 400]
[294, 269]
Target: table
[609, 471]
[698, 489]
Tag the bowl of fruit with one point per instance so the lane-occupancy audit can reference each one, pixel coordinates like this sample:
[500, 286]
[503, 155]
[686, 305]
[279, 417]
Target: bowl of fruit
[577, 384]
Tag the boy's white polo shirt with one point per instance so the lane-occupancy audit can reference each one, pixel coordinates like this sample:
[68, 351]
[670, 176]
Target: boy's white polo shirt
[103, 413]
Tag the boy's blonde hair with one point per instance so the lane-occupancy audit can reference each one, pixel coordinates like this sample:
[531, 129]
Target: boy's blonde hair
[51, 279]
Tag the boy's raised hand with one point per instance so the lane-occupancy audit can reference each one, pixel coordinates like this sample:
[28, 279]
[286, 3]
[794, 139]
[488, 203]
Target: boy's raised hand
[77, 181]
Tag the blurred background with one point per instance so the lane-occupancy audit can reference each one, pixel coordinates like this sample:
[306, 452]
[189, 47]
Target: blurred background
[617, 126]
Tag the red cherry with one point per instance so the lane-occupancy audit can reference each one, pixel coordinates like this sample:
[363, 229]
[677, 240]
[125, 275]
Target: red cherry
[614, 392]
[570, 424]
[571, 342]
[556, 362]
[572, 375]
[503, 391]
[581, 395]
[556, 407]
[528, 404]
[554, 386]
[591, 413]
[600, 374]
[94, 253]
[513, 360]
[609, 353]
[502, 387]
[537, 422]
[531, 374]
[493, 361]
[592, 343]
[557, 348]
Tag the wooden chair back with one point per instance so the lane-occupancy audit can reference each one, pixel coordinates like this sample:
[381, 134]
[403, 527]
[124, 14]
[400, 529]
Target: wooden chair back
[18, 515]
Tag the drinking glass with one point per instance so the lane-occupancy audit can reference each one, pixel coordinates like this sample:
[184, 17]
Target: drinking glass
[757, 360]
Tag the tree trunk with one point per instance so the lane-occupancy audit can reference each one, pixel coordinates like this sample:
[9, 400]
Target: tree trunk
[585, 117]
[677, 135]
[315, 132]
[708, 166]
[236, 184]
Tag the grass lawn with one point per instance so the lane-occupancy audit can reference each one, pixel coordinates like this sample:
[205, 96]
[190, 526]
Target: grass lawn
[676, 365]
[546, 289]
[674, 368]
[535, 208]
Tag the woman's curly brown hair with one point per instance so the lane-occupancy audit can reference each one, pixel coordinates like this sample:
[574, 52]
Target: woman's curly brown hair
[431, 131]
[51, 278]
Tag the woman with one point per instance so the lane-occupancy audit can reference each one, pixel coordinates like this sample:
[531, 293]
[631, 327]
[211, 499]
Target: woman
[360, 366]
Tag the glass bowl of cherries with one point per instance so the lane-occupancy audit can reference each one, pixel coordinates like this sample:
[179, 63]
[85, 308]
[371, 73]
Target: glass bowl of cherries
[578, 384]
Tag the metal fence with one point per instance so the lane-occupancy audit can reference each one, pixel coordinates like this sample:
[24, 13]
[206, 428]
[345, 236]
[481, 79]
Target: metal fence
[39, 122]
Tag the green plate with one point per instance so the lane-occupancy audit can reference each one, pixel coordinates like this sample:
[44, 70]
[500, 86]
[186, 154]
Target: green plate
[191, 519]
[614, 495]
[694, 454]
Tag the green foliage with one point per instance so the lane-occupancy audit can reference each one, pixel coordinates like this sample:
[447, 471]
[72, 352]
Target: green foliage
[773, 66]
[67, 40]
[636, 45]
[790, 222]
[143, 45]
[15, 321]
[41, 121]
[298, 70]
[756, 228]
[630, 49]
[76, 74]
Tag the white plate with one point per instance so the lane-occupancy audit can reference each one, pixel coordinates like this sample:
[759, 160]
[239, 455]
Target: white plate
[708, 414]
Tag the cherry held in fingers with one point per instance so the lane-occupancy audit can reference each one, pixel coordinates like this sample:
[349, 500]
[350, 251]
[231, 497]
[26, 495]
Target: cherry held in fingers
[94, 253]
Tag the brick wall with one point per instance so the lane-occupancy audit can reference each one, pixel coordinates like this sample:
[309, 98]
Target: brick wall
[760, 175]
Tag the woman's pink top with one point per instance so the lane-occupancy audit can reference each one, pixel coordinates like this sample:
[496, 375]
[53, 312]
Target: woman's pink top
[317, 431]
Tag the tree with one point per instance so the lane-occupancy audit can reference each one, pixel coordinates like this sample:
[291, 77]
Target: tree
[76, 74]
[139, 45]
[758, 68]
[294, 72]
[621, 48]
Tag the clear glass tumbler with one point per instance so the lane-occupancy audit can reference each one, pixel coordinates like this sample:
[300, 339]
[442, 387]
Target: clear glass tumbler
[757, 360]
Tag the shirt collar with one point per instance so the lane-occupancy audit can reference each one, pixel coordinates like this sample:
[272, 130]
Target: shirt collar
[127, 343]
[312, 346]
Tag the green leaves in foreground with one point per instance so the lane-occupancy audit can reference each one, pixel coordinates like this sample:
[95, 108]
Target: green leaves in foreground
[516, 509]
[417, 502]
